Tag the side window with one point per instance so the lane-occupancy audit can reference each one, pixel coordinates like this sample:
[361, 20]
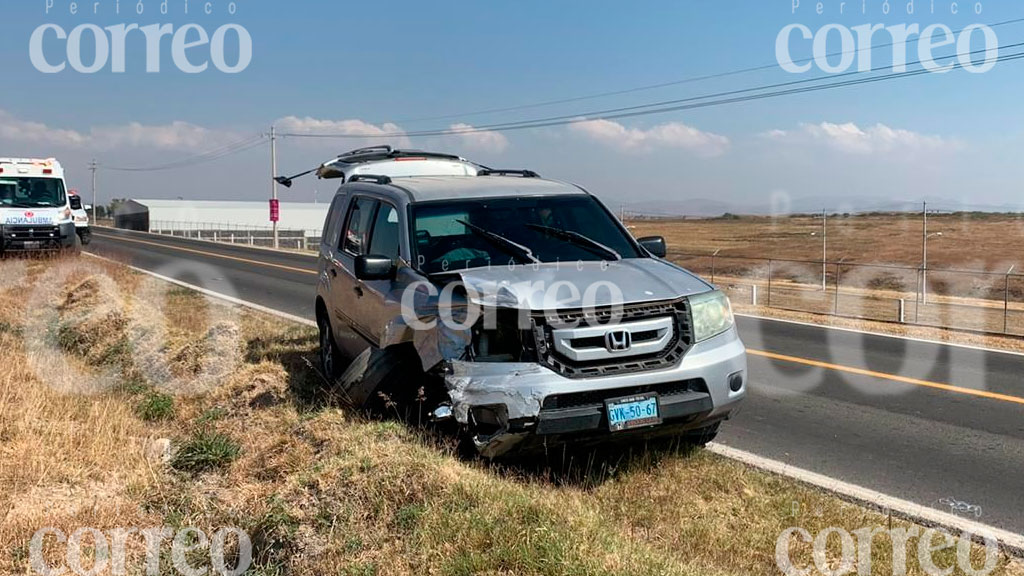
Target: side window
[360, 216]
[332, 227]
[384, 241]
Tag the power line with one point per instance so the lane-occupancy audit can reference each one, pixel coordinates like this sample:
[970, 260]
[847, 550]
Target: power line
[672, 105]
[202, 158]
[679, 82]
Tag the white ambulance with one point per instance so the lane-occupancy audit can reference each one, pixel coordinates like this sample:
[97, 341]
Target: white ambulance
[35, 208]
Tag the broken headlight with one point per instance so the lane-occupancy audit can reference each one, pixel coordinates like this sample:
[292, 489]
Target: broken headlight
[712, 315]
[498, 338]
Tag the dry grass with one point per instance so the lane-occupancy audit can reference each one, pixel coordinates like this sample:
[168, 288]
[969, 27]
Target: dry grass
[323, 490]
[969, 241]
[871, 292]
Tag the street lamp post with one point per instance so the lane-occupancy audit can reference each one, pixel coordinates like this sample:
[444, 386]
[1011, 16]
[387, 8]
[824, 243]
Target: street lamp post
[273, 181]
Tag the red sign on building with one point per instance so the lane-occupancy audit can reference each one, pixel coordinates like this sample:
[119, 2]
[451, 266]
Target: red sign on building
[275, 210]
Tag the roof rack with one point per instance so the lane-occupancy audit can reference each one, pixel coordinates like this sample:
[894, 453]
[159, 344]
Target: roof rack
[383, 180]
[523, 173]
[382, 148]
[385, 152]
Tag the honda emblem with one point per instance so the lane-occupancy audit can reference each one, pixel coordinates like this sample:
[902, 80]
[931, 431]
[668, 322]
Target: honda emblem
[618, 341]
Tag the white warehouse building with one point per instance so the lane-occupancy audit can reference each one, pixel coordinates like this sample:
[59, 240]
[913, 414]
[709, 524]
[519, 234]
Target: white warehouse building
[242, 222]
[214, 214]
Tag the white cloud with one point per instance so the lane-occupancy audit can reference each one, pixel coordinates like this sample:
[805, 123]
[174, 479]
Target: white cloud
[386, 133]
[481, 141]
[16, 130]
[173, 136]
[670, 135]
[853, 139]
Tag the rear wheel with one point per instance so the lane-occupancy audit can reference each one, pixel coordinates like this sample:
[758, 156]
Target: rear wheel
[330, 357]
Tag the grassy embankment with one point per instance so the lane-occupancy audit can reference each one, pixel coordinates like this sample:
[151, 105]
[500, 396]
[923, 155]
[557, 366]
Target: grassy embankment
[108, 366]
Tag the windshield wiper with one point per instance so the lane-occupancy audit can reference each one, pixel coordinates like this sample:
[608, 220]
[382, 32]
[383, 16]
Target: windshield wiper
[509, 246]
[577, 239]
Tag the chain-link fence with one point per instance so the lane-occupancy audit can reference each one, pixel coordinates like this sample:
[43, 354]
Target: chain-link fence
[977, 300]
[262, 236]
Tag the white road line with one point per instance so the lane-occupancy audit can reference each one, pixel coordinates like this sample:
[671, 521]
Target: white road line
[1012, 543]
[883, 335]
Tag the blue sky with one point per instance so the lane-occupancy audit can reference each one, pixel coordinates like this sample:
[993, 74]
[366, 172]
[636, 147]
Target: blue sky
[355, 66]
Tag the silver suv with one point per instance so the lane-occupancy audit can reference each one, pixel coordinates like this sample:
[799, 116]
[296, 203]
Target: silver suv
[521, 309]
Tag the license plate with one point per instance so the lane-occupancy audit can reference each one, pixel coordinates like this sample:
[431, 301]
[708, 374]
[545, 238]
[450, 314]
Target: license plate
[33, 245]
[633, 412]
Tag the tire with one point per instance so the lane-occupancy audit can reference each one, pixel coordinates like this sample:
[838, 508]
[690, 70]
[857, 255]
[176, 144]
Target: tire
[75, 249]
[330, 356]
[702, 436]
[395, 377]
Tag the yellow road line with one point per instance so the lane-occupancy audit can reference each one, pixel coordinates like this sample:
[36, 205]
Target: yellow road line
[211, 254]
[892, 377]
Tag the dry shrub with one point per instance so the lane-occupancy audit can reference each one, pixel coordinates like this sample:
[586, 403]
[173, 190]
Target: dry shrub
[255, 386]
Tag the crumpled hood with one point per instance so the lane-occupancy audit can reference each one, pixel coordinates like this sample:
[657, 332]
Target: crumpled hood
[547, 286]
[31, 216]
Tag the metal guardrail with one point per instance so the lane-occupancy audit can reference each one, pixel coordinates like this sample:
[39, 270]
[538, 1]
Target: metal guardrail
[262, 236]
[975, 300]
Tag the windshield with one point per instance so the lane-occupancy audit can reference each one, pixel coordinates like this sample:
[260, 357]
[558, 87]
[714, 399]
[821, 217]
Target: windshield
[31, 193]
[444, 242]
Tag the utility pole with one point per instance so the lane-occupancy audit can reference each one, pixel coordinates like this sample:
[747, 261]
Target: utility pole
[924, 256]
[93, 167]
[1006, 301]
[273, 177]
[824, 250]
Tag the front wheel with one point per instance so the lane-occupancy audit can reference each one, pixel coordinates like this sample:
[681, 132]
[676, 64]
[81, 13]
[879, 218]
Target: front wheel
[702, 436]
[76, 247]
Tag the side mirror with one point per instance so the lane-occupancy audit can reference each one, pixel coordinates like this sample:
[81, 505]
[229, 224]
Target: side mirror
[375, 268]
[655, 245]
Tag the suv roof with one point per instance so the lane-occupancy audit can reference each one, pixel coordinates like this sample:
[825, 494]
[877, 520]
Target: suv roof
[430, 188]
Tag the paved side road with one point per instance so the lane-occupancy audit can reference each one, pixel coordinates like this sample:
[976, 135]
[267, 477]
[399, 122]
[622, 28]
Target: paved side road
[924, 422]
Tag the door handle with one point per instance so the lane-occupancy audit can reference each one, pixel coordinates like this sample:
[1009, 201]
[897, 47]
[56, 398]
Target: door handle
[359, 291]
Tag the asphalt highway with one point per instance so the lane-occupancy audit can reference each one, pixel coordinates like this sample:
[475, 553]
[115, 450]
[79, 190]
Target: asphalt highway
[926, 422]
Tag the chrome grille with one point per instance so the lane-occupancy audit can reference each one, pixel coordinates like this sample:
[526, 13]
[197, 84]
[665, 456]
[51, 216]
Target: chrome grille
[576, 343]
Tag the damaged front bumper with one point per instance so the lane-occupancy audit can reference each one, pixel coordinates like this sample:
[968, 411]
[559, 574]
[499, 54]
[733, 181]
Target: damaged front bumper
[504, 404]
